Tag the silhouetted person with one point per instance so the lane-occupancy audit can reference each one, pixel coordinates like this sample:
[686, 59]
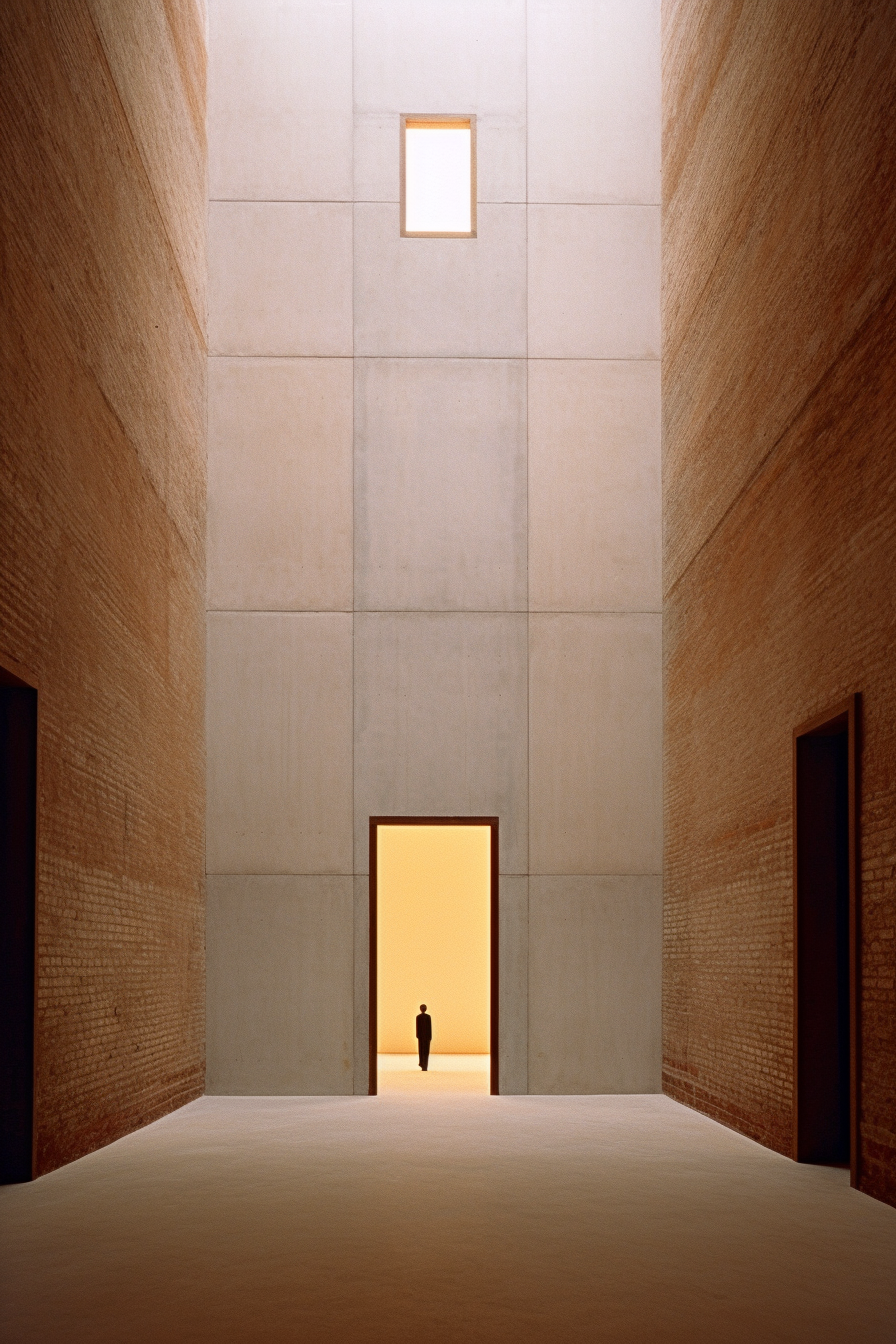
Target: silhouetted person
[424, 1036]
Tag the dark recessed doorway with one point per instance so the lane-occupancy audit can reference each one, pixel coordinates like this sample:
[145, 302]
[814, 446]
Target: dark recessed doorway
[826, 1064]
[18, 814]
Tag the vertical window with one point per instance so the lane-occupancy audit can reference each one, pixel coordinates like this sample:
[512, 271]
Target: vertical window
[438, 177]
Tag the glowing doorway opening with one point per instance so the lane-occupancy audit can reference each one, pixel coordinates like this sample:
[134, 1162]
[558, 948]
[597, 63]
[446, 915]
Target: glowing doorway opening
[434, 941]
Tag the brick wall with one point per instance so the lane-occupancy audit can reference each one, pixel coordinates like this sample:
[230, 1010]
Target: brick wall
[779, 383]
[101, 542]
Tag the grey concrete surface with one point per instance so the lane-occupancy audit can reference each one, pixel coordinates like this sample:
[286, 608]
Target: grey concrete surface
[434, 535]
[279, 985]
[595, 950]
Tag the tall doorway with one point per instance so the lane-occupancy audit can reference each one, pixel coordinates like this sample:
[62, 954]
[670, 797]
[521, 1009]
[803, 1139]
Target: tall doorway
[18, 812]
[826, 939]
[434, 941]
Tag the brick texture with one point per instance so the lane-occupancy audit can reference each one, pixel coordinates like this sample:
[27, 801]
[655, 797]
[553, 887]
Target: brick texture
[102, 486]
[779, 383]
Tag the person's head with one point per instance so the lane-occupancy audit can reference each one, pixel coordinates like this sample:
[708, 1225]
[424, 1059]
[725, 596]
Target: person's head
[423, 1007]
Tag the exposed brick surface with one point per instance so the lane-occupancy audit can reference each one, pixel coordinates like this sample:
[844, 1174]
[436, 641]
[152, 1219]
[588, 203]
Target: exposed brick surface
[101, 556]
[780, 496]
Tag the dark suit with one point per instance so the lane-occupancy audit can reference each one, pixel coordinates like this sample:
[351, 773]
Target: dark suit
[424, 1036]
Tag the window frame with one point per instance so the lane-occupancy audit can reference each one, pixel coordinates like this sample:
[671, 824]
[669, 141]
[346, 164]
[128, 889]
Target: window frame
[432, 120]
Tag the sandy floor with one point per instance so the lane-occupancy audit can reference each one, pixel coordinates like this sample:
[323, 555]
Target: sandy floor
[447, 1217]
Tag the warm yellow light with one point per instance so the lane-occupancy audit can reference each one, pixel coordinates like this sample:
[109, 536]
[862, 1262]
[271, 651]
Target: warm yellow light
[433, 936]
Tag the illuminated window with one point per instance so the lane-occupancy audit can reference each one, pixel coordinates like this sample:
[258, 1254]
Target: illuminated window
[438, 177]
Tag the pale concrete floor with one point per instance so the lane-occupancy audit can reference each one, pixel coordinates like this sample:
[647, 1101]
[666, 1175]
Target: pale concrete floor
[445, 1217]
[446, 1073]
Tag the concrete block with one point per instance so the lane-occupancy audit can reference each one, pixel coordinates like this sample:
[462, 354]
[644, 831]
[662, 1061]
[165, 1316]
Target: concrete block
[440, 482]
[440, 722]
[595, 529]
[280, 100]
[280, 278]
[279, 986]
[361, 1078]
[440, 296]
[280, 484]
[594, 101]
[467, 56]
[595, 721]
[594, 281]
[279, 724]
[513, 985]
[595, 948]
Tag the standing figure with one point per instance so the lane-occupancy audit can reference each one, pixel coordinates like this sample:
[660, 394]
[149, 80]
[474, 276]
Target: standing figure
[424, 1036]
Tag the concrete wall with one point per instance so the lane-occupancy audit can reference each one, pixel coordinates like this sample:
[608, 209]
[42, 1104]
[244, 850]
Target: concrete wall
[102, 489]
[780, 482]
[434, 565]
